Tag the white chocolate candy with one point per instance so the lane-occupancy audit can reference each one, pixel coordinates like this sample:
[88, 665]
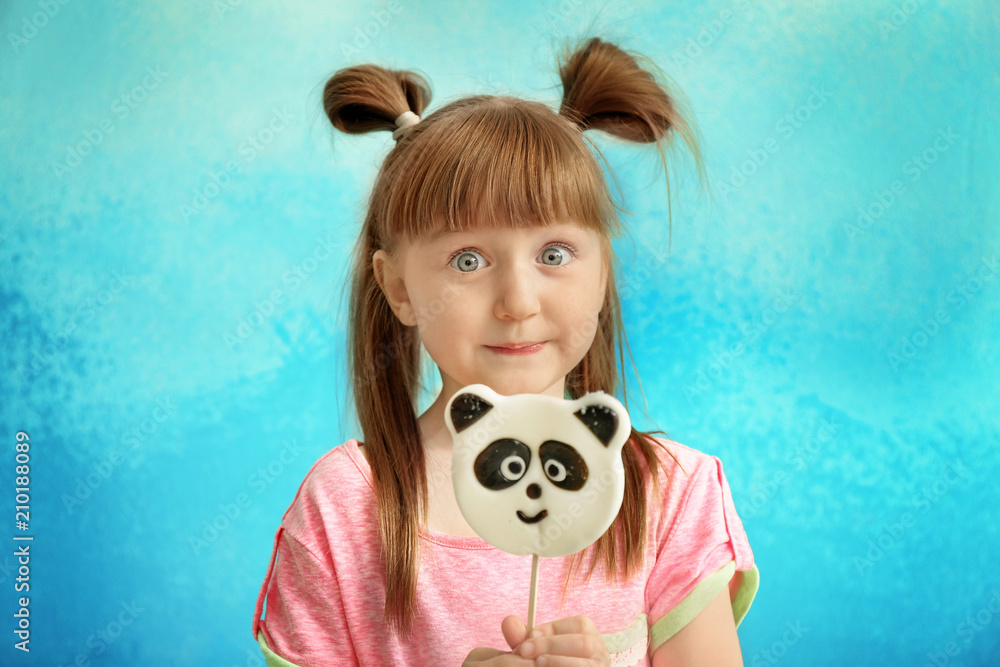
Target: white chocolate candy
[536, 474]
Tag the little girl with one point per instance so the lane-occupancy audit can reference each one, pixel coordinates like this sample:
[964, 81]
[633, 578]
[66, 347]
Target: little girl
[487, 242]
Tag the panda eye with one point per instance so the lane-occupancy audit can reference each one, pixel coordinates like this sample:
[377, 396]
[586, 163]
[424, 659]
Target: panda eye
[563, 465]
[513, 467]
[502, 463]
[555, 470]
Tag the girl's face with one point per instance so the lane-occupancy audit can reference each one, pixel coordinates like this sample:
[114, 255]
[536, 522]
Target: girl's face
[514, 309]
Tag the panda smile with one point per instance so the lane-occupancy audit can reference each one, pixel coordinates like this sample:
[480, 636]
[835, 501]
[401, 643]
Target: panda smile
[532, 519]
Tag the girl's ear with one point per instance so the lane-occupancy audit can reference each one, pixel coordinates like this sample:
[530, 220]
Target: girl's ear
[390, 281]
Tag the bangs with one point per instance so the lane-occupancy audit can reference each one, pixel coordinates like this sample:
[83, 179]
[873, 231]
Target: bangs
[495, 162]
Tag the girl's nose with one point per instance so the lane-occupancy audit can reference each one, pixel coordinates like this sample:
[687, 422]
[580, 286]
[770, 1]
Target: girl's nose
[517, 296]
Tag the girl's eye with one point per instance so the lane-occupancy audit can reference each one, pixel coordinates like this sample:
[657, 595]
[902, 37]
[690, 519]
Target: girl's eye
[555, 255]
[467, 261]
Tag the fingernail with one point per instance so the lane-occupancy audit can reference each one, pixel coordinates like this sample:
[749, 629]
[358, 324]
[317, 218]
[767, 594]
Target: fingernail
[527, 649]
[536, 633]
[542, 661]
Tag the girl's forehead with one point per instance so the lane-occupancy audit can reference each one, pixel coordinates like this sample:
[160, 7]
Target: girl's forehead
[444, 234]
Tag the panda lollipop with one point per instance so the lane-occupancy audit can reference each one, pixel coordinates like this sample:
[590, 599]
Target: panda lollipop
[537, 474]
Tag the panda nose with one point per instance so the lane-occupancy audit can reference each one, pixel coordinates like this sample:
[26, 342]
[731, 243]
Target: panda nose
[534, 491]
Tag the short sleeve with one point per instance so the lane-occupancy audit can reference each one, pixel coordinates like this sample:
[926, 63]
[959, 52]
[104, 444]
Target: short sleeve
[304, 611]
[701, 549]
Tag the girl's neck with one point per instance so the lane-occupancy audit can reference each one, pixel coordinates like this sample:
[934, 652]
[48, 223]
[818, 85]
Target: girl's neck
[433, 431]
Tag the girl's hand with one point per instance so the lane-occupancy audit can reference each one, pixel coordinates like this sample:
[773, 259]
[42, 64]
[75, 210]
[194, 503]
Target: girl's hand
[515, 633]
[569, 641]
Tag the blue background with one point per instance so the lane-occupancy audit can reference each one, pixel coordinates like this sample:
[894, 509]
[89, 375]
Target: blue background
[175, 222]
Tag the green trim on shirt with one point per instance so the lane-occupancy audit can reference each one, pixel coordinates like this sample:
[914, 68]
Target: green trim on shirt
[698, 599]
[273, 659]
[745, 594]
[661, 631]
[625, 639]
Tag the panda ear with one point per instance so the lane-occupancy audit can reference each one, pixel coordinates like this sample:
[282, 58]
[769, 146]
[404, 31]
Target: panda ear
[467, 409]
[601, 420]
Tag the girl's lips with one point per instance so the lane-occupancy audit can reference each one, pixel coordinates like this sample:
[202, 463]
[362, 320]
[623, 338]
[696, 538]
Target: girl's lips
[517, 348]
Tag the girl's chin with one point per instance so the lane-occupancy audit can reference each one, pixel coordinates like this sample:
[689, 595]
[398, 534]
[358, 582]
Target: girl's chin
[511, 387]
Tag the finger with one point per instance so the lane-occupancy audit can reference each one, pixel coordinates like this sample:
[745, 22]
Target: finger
[481, 654]
[578, 646]
[565, 661]
[514, 631]
[574, 625]
[495, 658]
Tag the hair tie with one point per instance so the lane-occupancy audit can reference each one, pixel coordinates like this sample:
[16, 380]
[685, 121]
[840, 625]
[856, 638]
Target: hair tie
[405, 120]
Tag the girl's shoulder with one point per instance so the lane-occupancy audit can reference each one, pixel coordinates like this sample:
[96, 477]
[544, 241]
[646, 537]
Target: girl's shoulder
[691, 483]
[677, 462]
[336, 485]
[344, 462]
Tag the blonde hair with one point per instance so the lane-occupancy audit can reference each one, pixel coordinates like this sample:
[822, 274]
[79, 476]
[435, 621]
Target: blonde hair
[486, 160]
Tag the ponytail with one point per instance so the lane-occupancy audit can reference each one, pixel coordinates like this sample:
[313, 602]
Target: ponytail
[605, 89]
[367, 98]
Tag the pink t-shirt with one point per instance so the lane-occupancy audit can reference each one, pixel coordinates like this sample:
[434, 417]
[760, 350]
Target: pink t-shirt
[326, 597]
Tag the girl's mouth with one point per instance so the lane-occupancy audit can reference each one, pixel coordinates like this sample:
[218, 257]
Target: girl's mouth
[516, 348]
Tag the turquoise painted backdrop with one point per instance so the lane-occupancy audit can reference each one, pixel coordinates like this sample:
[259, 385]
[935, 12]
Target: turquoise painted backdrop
[176, 217]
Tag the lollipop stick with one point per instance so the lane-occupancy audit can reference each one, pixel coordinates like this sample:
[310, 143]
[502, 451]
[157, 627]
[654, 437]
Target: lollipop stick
[533, 594]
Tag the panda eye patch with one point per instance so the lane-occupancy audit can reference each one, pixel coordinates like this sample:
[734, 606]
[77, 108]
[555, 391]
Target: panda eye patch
[563, 465]
[502, 463]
